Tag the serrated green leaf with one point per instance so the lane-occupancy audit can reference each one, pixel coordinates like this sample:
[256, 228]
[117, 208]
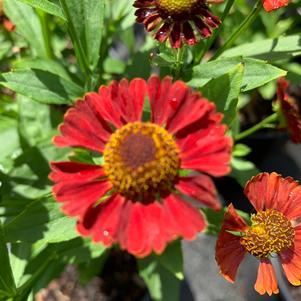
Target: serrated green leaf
[7, 284]
[256, 73]
[224, 91]
[46, 6]
[269, 49]
[42, 86]
[41, 221]
[27, 24]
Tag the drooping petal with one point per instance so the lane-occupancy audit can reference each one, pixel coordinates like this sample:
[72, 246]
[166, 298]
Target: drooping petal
[271, 191]
[78, 186]
[175, 20]
[291, 259]
[201, 188]
[229, 251]
[266, 279]
[102, 222]
[83, 127]
[188, 220]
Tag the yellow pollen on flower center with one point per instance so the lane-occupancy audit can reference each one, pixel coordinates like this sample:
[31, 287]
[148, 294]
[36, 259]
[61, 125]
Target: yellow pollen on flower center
[271, 232]
[141, 159]
[173, 7]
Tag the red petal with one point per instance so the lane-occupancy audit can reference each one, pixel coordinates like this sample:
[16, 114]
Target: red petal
[229, 251]
[102, 222]
[189, 34]
[201, 188]
[291, 259]
[74, 171]
[270, 5]
[272, 191]
[208, 150]
[175, 36]
[158, 96]
[83, 127]
[188, 221]
[188, 107]
[163, 32]
[77, 185]
[266, 279]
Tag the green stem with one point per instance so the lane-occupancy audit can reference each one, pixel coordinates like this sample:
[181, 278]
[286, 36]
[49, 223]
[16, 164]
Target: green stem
[215, 33]
[256, 127]
[77, 43]
[177, 70]
[46, 34]
[243, 26]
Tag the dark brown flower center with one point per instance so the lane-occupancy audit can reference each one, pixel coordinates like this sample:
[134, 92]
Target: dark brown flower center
[176, 7]
[141, 159]
[271, 232]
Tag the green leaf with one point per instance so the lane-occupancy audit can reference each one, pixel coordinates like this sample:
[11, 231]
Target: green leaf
[41, 86]
[243, 170]
[241, 150]
[27, 24]
[46, 6]
[49, 65]
[256, 74]
[269, 49]
[215, 219]
[224, 91]
[86, 25]
[7, 284]
[41, 221]
[162, 285]
[19, 257]
[172, 259]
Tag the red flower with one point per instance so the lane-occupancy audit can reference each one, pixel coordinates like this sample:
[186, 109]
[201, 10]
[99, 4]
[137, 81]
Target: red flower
[274, 230]
[290, 110]
[135, 198]
[177, 19]
[270, 5]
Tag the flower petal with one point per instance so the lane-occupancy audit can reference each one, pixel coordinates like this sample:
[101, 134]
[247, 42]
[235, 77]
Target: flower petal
[266, 279]
[291, 259]
[83, 127]
[201, 188]
[270, 5]
[77, 186]
[208, 150]
[272, 191]
[229, 251]
[102, 222]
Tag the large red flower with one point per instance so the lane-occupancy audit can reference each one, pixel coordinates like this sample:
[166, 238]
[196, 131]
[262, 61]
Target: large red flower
[270, 5]
[136, 197]
[177, 20]
[274, 230]
[290, 110]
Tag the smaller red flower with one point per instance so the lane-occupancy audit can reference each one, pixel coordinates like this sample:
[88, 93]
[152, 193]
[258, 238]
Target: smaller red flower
[274, 230]
[290, 110]
[177, 20]
[270, 5]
